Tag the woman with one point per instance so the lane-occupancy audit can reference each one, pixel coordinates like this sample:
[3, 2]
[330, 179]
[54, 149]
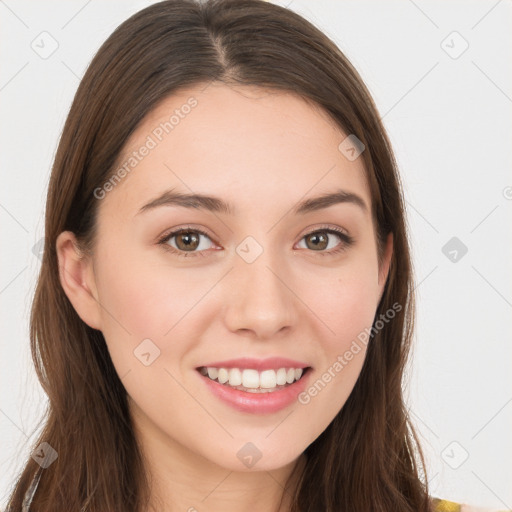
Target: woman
[225, 305]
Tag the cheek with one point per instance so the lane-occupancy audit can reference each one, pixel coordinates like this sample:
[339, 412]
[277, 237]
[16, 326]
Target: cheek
[145, 299]
[353, 309]
[348, 310]
[345, 305]
[136, 304]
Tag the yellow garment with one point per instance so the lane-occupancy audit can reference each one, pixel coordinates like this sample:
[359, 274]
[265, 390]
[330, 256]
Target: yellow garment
[446, 506]
[450, 506]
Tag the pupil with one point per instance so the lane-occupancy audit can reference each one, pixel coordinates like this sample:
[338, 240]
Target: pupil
[322, 239]
[189, 240]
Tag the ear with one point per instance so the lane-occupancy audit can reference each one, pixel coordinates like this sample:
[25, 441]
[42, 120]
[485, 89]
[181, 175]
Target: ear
[386, 262]
[77, 279]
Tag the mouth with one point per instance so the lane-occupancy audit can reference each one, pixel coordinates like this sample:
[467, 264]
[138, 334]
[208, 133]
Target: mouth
[250, 380]
[256, 386]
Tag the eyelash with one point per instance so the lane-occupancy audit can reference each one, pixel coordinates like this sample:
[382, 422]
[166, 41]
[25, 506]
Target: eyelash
[347, 241]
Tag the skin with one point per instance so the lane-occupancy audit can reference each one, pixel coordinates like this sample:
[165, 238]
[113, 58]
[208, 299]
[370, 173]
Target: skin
[292, 301]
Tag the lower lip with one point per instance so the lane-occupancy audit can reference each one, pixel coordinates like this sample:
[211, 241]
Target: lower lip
[257, 403]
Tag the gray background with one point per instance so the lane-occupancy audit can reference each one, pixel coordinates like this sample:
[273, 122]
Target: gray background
[448, 113]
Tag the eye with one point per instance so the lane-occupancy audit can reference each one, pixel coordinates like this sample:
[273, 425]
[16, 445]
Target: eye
[320, 239]
[187, 241]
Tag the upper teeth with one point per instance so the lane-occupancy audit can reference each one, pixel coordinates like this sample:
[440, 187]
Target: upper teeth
[250, 378]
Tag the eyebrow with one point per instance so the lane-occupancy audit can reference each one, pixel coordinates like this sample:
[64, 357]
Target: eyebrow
[218, 205]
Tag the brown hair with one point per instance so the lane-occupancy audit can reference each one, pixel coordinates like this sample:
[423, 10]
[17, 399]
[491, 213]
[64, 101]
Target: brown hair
[367, 458]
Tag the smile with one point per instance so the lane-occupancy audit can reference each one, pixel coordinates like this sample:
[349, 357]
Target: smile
[253, 391]
[252, 380]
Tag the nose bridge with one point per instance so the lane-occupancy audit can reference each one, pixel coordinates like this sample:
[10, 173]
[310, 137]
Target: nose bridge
[260, 300]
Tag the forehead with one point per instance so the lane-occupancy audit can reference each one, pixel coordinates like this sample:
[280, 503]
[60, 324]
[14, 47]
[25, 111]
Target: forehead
[253, 145]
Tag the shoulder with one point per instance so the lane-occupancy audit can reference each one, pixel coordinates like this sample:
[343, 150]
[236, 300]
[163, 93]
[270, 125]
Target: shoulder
[450, 506]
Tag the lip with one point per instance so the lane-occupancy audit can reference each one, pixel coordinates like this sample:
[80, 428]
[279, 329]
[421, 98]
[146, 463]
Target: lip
[270, 363]
[258, 403]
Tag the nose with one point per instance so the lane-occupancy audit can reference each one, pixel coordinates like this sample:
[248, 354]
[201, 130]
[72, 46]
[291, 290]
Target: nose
[260, 300]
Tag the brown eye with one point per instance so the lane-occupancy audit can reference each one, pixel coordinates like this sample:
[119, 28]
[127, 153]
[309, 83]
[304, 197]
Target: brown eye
[187, 240]
[317, 241]
[321, 239]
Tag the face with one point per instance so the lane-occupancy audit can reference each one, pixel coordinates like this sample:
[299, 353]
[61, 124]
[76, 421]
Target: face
[267, 277]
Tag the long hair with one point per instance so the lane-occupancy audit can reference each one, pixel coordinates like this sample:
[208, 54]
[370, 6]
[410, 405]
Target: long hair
[369, 457]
